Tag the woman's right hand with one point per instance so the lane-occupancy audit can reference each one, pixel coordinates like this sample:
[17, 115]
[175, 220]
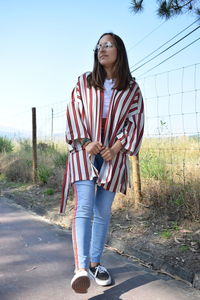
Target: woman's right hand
[94, 148]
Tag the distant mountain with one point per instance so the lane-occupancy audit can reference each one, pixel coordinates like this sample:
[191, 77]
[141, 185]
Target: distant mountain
[15, 134]
[18, 135]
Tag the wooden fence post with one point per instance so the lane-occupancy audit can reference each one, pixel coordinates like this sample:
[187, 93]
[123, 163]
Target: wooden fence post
[52, 124]
[136, 180]
[34, 145]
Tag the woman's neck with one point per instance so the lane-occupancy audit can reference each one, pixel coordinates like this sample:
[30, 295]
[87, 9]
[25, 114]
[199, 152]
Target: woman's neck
[109, 73]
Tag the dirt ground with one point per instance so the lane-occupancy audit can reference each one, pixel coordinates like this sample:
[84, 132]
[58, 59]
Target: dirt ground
[153, 239]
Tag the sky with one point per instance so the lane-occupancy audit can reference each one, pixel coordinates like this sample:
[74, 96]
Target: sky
[46, 45]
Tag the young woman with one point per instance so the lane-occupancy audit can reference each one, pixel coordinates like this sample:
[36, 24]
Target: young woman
[105, 123]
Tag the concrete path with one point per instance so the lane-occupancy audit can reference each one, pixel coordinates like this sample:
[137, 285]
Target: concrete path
[36, 263]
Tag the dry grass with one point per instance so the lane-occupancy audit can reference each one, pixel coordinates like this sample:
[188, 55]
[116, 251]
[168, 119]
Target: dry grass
[17, 165]
[176, 159]
[170, 176]
[170, 173]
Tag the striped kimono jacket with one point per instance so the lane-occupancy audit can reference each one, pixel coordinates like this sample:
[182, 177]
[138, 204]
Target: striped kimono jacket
[125, 121]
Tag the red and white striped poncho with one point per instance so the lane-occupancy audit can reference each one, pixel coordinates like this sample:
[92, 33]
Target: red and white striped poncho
[125, 121]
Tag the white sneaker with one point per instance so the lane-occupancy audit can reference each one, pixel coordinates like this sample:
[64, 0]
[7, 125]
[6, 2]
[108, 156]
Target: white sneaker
[80, 282]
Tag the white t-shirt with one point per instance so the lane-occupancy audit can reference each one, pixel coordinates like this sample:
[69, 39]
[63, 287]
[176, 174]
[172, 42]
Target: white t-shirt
[108, 84]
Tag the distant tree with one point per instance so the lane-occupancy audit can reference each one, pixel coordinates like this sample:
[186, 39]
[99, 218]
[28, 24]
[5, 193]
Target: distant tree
[169, 8]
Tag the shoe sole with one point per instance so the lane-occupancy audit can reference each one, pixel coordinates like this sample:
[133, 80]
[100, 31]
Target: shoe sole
[100, 282]
[81, 284]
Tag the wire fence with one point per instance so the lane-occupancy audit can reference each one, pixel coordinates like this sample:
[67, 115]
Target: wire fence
[170, 154]
[172, 102]
[171, 146]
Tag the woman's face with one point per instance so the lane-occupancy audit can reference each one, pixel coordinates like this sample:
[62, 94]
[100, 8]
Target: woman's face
[107, 51]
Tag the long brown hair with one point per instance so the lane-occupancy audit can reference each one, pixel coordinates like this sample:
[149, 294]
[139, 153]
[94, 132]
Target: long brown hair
[121, 71]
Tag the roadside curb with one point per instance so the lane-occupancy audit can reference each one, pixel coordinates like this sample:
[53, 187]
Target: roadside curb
[157, 264]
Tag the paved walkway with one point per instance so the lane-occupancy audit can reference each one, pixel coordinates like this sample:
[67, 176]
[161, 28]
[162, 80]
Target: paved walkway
[36, 263]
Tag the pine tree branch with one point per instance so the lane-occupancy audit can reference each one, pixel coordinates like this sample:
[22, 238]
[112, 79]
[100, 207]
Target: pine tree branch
[137, 5]
[169, 8]
[173, 7]
[186, 4]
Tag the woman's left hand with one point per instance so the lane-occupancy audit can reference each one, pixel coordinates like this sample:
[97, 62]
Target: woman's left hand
[107, 154]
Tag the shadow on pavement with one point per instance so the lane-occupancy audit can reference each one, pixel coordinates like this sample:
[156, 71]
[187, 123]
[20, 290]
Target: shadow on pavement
[116, 291]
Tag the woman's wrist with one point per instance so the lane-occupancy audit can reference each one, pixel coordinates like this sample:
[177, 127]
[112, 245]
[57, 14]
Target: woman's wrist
[85, 141]
[117, 147]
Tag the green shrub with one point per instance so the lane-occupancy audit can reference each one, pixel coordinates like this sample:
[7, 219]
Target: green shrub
[18, 170]
[5, 145]
[3, 177]
[43, 173]
[179, 200]
[25, 145]
[175, 226]
[184, 248]
[166, 234]
[153, 166]
[49, 192]
[47, 148]
[60, 160]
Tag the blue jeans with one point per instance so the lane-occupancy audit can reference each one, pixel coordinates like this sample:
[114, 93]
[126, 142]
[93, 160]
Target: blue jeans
[91, 219]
